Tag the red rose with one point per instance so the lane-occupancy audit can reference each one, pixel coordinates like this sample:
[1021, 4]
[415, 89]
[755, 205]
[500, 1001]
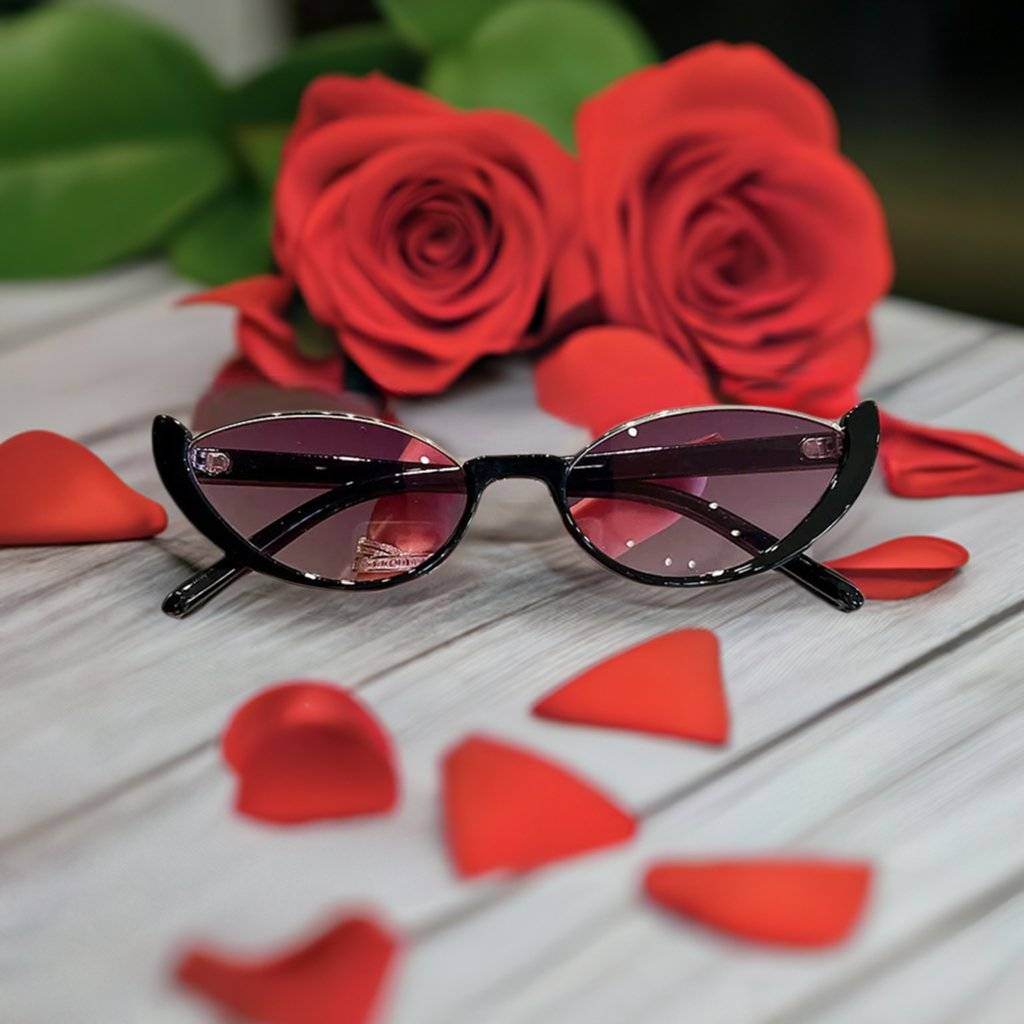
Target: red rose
[426, 237]
[722, 219]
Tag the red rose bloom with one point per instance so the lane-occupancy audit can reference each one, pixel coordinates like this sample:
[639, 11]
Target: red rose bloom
[426, 237]
[723, 220]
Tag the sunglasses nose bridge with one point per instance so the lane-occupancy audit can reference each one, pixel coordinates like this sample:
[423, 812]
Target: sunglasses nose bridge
[486, 469]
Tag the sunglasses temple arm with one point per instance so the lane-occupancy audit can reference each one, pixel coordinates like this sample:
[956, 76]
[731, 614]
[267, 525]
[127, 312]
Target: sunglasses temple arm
[814, 577]
[707, 457]
[823, 582]
[198, 590]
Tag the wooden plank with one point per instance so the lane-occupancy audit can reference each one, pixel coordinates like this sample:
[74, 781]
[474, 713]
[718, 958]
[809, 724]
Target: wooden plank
[912, 337]
[922, 775]
[31, 310]
[86, 397]
[195, 869]
[113, 374]
[156, 676]
[972, 970]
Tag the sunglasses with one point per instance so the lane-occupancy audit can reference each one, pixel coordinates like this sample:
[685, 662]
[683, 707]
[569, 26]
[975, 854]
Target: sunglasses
[684, 498]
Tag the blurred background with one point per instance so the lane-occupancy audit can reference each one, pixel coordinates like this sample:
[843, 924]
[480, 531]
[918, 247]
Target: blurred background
[120, 141]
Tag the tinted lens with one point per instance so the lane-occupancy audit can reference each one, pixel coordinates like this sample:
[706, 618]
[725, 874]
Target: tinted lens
[695, 493]
[335, 497]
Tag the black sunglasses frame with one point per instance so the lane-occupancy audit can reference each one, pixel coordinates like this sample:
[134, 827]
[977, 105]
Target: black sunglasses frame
[859, 427]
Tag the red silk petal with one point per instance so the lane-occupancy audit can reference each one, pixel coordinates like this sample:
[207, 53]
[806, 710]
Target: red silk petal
[338, 977]
[671, 686]
[931, 462]
[507, 808]
[306, 751]
[902, 567]
[602, 376]
[786, 902]
[56, 491]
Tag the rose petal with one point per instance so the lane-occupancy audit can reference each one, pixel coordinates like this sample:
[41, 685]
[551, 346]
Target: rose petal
[265, 337]
[718, 77]
[305, 751]
[932, 462]
[670, 685]
[786, 902]
[602, 376]
[902, 567]
[507, 808]
[56, 491]
[572, 301]
[337, 977]
[817, 375]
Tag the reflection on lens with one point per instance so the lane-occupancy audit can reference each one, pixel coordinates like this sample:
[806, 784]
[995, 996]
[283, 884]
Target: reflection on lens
[696, 493]
[333, 497]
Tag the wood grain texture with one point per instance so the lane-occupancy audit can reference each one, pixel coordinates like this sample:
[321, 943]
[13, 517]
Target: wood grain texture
[29, 311]
[889, 732]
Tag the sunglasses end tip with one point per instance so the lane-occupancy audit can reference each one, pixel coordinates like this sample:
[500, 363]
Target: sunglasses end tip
[176, 605]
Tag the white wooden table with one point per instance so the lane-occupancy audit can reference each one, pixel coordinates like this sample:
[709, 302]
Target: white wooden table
[895, 734]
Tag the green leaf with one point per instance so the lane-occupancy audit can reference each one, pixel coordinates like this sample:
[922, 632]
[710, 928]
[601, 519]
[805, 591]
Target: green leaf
[259, 146]
[541, 58]
[273, 95]
[432, 25]
[227, 239]
[313, 339]
[75, 211]
[264, 107]
[110, 132]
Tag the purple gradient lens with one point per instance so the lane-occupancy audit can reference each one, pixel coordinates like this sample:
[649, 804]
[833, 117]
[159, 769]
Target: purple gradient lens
[695, 493]
[339, 498]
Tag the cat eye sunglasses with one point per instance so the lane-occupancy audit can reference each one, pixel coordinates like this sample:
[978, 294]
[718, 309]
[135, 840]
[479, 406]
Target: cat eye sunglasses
[684, 498]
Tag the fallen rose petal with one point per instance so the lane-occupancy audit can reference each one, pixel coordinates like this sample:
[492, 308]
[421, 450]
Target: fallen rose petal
[902, 567]
[507, 808]
[338, 977]
[781, 901]
[603, 376]
[56, 491]
[266, 338]
[932, 462]
[670, 685]
[306, 751]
